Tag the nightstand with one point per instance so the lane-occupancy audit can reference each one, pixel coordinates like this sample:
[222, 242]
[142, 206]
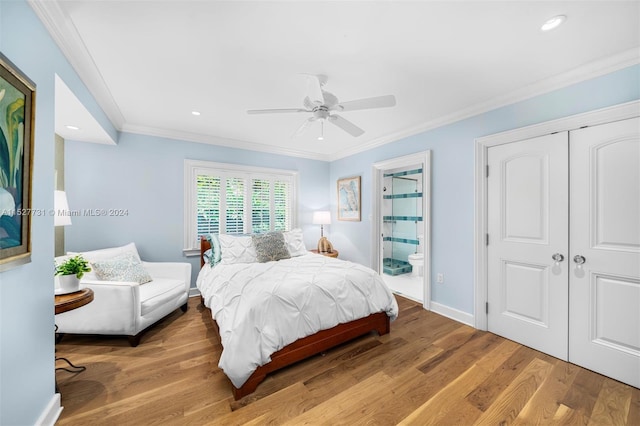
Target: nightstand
[333, 254]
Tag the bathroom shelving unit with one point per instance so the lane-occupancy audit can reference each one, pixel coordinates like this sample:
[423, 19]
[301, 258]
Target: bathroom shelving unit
[396, 265]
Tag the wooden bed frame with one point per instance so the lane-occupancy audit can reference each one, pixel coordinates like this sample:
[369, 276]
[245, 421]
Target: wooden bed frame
[307, 346]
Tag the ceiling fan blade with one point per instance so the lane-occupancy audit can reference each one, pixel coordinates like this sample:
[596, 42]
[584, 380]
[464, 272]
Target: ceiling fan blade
[277, 110]
[346, 125]
[314, 88]
[367, 103]
[308, 103]
[304, 126]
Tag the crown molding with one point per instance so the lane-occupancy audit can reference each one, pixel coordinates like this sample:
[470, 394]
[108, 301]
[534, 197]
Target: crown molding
[66, 36]
[585, 72]
[218, 141]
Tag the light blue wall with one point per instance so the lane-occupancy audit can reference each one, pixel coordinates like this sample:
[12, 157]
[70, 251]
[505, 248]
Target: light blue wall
[106, 176]
[145, 176]
[26, 293]
[453, 177]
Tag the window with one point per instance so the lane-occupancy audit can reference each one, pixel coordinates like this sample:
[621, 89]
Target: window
[228, 199]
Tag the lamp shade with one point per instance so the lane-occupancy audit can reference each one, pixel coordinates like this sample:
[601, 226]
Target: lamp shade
[62, 215]
[322, 217]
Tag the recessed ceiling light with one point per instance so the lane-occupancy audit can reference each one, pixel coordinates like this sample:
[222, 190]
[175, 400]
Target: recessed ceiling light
[195, 112]
[553, 23]
[70, 127]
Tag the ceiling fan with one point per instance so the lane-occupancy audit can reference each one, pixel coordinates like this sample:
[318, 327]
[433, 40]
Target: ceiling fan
[323, 105]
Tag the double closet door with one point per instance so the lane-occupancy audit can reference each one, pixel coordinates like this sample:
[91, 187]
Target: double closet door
[564, 246]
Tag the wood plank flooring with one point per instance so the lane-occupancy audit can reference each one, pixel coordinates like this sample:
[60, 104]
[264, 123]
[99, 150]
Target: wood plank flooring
[428, 370]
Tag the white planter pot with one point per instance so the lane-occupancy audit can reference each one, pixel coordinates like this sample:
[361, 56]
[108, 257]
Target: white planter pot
[69, 283]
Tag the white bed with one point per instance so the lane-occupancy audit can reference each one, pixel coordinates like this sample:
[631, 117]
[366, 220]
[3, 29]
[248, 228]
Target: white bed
[260, 308]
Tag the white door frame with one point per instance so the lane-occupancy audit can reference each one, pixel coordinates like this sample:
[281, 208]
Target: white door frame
[378, 169]
[592, 118]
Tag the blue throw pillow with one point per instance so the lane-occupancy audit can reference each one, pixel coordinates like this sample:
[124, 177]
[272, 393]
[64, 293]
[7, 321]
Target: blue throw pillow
[216, 253]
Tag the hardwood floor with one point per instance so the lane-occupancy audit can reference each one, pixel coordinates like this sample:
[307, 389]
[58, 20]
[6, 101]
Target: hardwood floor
[428, 370]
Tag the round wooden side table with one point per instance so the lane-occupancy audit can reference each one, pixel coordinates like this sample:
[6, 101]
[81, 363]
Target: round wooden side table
[67, 302]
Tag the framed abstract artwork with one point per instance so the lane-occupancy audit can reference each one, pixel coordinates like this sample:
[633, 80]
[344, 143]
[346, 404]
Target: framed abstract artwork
[349, 199]
[17, 110]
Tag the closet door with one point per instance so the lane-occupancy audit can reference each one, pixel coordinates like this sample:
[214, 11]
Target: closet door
[604, 330]
[528, 246]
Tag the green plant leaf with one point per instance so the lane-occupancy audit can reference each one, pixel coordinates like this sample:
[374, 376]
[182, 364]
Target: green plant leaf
[76, 265]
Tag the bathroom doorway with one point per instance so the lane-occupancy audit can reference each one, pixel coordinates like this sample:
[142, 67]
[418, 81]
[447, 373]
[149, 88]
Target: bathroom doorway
[401, 225]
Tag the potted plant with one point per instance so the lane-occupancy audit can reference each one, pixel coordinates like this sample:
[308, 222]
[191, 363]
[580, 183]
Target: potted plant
[70, 272]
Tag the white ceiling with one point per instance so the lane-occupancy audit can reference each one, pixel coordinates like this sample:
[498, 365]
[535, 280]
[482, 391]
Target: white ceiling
[150, 63]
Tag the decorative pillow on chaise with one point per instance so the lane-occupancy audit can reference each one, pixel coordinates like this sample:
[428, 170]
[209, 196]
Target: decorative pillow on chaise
[125, 267]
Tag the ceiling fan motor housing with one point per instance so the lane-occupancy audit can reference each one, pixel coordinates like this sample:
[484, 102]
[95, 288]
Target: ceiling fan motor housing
[321, 112]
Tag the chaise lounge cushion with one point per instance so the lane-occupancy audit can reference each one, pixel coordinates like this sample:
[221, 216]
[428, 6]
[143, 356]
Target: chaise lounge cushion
[161, 292]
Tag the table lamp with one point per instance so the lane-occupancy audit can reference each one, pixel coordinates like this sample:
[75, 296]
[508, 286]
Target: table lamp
[323, 217]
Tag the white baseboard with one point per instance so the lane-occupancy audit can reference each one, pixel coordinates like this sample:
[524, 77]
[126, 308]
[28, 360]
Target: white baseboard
[452, 313]
[194, 292]
[51, 412]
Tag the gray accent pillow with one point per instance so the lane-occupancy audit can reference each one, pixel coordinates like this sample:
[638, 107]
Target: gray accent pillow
[270, 247]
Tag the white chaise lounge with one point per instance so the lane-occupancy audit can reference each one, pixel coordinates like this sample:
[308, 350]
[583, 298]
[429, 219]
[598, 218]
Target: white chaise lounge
[126, 307]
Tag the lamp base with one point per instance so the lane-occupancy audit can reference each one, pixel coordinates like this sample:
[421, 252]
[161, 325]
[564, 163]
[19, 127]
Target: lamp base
[324, 246]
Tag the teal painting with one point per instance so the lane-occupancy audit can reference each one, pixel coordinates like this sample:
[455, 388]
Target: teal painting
[17, 94]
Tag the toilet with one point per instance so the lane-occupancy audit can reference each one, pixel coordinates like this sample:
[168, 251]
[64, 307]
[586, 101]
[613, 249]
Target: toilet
[416, 260]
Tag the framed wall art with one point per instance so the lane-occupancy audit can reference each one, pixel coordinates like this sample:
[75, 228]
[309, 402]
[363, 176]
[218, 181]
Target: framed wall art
[349, 199]
[17, 110]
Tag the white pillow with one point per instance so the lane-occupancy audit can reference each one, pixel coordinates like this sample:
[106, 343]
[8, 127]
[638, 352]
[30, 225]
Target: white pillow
[237, 249]
[295, 242]
[105, 254]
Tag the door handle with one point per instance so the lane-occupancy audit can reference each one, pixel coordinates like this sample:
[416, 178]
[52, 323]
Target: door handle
[557, 257]
[579, 259]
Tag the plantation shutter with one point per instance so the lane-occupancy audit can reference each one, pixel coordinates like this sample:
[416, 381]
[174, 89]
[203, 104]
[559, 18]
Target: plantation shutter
[260, 206]
[208, 205]
[234, 206]
[282, 205]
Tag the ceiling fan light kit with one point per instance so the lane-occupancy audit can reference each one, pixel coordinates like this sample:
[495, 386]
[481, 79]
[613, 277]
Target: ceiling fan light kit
[554, 22]
[323, 105]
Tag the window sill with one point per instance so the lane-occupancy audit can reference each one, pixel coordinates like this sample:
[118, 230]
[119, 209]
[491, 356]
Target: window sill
[192, 252]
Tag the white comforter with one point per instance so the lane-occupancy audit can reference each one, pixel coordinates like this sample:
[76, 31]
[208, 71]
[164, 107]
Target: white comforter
[262, 307]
